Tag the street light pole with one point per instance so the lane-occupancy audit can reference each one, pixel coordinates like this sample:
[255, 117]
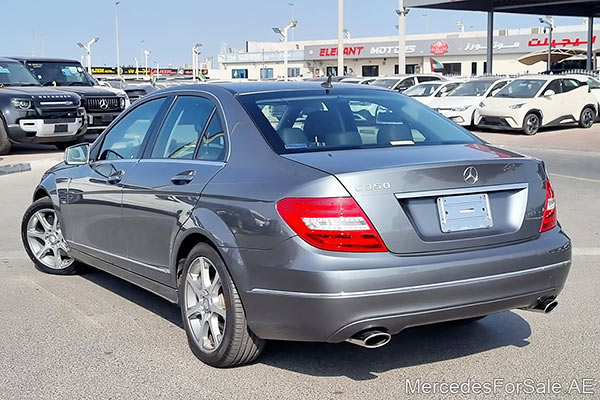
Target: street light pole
[549, 22]
[88, 48]
[117, 36]
[146, 54]
[157, 70]
[292, 18]
[340, 43]
[284, 34]
[195, 53]
[402, 12]
[137, 69]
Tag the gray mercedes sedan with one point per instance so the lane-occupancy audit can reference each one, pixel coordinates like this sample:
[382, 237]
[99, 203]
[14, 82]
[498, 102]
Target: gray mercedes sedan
[302, 211]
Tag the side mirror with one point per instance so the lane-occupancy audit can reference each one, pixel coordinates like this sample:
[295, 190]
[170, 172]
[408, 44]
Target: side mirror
[78, 154]
[549, 92]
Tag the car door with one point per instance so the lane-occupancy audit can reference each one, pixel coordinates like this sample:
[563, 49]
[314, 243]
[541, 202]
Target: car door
[551, 102]
[161, 190]
[574, 101]
[92, 216]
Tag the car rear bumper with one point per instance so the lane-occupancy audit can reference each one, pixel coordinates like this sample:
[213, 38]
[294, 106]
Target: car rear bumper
[46, 131]
[324, 296]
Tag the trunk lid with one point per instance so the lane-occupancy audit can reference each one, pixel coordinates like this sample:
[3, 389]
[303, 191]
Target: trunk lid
[399, 190]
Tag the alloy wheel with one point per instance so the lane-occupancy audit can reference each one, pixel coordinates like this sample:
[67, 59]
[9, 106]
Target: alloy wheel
[46, 241]
[533, 123]
[588, 117]
[204, 302]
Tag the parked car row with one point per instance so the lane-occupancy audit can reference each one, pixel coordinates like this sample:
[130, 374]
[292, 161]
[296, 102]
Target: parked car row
[524, 104]
[52, 101]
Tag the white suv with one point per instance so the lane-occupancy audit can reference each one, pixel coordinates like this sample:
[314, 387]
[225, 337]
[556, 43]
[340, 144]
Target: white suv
[529, 103]
[400, 83]
[460, 104]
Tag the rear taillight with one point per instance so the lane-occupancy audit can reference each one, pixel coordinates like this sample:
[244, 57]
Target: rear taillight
[549, 220]
[331, 223]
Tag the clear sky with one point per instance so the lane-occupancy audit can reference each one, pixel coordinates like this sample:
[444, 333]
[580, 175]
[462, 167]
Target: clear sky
[170, 28]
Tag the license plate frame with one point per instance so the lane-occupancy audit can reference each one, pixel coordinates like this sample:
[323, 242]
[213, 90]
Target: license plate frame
[61, 128]
[459, 213]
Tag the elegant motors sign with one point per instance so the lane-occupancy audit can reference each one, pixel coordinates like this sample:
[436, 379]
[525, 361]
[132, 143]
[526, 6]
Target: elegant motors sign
[450, 45]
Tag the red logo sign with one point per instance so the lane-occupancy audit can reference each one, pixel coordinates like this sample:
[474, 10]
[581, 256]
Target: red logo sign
[438, 47]
[556, 43]
[348, 51]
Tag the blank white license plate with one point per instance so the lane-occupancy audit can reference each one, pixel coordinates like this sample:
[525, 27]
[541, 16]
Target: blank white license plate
[464, 212]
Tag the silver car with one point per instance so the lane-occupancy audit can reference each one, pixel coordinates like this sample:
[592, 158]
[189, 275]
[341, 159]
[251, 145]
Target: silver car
[302, 211]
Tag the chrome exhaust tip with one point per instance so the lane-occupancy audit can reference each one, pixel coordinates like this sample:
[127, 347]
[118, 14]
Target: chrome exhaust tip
[370, 339]
[545, 305]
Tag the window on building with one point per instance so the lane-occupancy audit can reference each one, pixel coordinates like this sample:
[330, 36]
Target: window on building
[239, 73]
[410, 69]
[370, 70]
[293, 72]
[266, 73]
[452, 68]
[474, 68]
[333, 71]
[485, 70]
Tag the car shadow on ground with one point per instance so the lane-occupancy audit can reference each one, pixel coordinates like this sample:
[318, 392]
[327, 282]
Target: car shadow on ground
[411, 347]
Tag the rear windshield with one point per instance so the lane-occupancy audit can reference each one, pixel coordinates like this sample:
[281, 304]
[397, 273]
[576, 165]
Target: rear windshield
[59, 73]
[312, 120]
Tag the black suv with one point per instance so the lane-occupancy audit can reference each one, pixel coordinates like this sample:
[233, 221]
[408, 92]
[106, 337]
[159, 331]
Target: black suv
[30, 113]
[102, 104]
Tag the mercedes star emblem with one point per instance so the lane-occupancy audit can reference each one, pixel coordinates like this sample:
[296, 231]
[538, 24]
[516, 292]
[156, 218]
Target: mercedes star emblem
[470, 175]
[103, 104]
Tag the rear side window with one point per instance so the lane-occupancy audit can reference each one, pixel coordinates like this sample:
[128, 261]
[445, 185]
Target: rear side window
[308, 121]
[213, 146]
[183, 127]
[570, 84]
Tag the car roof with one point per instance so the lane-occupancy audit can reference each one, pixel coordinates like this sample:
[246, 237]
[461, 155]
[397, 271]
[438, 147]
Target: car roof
[256, 87]
[45, 59]
[6, 59]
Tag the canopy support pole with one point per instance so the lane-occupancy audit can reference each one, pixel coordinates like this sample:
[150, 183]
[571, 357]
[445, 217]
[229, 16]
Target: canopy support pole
[590, 46]
[490, 43]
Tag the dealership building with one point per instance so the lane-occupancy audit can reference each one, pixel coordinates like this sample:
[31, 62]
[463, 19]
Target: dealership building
[460, 53]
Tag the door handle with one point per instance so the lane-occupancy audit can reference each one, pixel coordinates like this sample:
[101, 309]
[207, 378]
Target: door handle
[115, 177]
[183, 178]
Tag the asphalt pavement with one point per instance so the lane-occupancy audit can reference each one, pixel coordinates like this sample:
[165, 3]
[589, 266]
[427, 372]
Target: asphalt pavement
[95, 336]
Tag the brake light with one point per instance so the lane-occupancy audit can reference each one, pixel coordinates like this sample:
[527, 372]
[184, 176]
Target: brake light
[331, 223]
[549, 220]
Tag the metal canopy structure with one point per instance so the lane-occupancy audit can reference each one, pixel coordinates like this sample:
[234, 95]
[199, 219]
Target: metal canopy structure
[567, 8]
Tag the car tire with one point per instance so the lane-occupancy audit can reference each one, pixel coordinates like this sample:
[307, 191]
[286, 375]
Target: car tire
[5, 144]
[43, 239]
[212, 312]
[531, 123]
[587, 118]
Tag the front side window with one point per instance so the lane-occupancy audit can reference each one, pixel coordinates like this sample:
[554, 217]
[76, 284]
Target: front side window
[554, 86]
[521, 89]
[405, 84]
[13, 73]
[311, 121]
[183, 127]
[125, 140]
[447, 89]
[59, 73]
[592, 83]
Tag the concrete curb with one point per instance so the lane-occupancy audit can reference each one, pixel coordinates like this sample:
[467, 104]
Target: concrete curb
[14, 168]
